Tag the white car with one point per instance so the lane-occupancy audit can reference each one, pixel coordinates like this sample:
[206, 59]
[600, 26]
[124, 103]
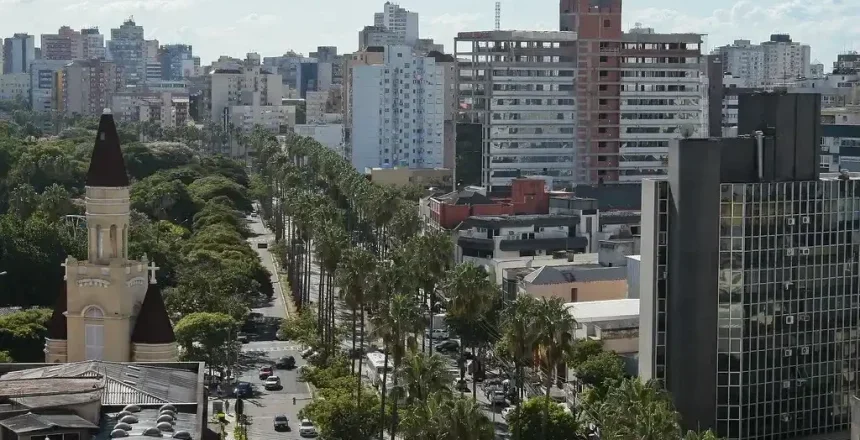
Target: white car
[307, 428]
[272, 383]
[438, 334]
[506, 412]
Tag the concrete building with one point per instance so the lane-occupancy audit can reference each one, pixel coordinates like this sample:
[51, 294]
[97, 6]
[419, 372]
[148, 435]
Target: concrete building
[785, 60]
[663, 97]
[371, 56]
[847, 63]
[243, 85]
[67, 44]
[128, 49]
[165, 109]
[15, 86]
[399, 113]
[840, 139]
[816, 69]
[424, 177]
[575, 282]
[748, 277]
[110, 308]
[93, 44]
[88, 86]
[177, 61]
[329, 135]
[18, 52]
[399, 21]
[744, 61]
[275, 118]
[316, 106]
[519, 87]
[43, 84]
[372, 36]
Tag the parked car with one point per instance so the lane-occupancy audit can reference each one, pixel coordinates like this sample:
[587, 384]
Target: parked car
[286, 363]
[498, 397]
[243, 338]
[282, 423]
[265, 372]
[307, 352]
[243, 389]
[506, 412]
[437, 334]
[262, 245]
[449, 346]
[272, 383]
[307, 429]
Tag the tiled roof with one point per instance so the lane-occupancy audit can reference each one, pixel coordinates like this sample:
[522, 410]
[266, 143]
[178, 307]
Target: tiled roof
[153, 323]
[107, 167]
[57, 324]
[41, 422]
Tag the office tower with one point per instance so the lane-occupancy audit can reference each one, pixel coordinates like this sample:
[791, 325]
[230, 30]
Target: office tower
[519, 85]
[89, 85]
[749, 278]
[128, 50]
[398, 111]
[398, 20]
[18, 52]
[66, 44]
[177, 61]
[93, 44]
[744, 61]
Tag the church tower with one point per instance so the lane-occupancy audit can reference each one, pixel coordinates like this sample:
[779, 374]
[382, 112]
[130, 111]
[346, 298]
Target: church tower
[110, 308]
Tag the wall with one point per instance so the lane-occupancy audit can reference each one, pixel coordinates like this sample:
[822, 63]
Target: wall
[365, 118]
[633, 262]
[590, 291]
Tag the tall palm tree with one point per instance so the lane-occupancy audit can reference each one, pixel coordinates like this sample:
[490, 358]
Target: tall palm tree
[442, 418]
[432, 253]
[422, 375]
[470, 295]
[555, 329]
[519, 339]
[330, 245]
[354, 277]
[637, 410]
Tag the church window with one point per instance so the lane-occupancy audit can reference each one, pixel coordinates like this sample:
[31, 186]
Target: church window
[100, 245]
[94, 336]
[113, 242]
[125, 241]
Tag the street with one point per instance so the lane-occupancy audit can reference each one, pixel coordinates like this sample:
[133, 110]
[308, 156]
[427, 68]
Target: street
[265, 350]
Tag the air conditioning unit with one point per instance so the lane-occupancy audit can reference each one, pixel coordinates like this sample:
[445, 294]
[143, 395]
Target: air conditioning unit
[805, 317]
[787, 352]
[790, 252]
[804, 350]
[786, 384]
[791, 221]
[805, 220]
[789, 319]
[804, 251]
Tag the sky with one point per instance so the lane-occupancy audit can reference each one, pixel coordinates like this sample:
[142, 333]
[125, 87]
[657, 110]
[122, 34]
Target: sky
[272, 27]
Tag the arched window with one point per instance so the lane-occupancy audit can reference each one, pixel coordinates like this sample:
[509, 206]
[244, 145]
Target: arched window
[125, 241]
[100, 242]
[114, 242]
[94, 337]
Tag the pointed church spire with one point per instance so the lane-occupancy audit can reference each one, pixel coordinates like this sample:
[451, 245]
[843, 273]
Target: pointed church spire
[107, 167]
[153, 324]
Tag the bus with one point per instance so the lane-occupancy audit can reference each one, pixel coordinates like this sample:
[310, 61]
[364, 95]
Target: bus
[375, 363]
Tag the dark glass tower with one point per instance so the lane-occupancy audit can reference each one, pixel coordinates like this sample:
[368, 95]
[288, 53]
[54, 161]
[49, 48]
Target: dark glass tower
[750, 309]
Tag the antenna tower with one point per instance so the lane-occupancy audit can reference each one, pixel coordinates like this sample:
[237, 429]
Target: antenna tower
[498, 15]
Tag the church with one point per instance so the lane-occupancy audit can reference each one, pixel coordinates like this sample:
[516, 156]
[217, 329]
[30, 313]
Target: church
[110, 307]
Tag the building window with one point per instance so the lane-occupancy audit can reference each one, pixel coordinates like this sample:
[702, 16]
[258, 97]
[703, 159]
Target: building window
[606, 23]
[602, 87]
[94, 336]
[574, 294]
[100, 242]
[604, 73]
[604, 59]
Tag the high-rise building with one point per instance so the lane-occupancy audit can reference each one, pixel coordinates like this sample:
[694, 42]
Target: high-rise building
[373, 36]
[93, 44]
[66, 44]
[744, 61]
[749, 273]
[128, 49]
[519, 86]
[43, 82]
[785, 60]
[398, 112]
[398, 20]
[88, 86]
[177, 61]
[18, 52]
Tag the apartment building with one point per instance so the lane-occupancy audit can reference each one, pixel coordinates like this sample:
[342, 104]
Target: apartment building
[398, 114]
[43, 82]
[18, 52]
[128, 49]
[847, 63]
[752, 225]
[664, 96]
[840, 139]
[176, 61]
[245, 85]
[88, 86]
[785, 60]
[15, 86]
[165, 109]
[519, 87]
[329, 135]
[399, 21]
[93, 44]
[370, 56]
[745, 61]
[67, 44]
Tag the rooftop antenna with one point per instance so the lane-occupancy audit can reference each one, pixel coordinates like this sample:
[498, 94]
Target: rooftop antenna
[498, 15]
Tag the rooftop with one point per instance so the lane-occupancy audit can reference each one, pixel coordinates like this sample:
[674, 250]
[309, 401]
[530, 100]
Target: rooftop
[609, 310]
[578, 273]
[518, 35]
[26, 423]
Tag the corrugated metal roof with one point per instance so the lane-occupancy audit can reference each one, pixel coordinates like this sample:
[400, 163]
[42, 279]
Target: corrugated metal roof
[36, 422]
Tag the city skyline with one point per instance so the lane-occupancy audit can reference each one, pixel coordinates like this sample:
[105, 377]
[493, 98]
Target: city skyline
[268, 28]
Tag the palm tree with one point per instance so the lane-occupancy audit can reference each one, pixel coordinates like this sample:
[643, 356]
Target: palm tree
[469, 295]
[634, 409]
[444, 418]
[519, 339]
[432, 253]
[354, 277]
[555, 328]
[330, 245]
[422, 375]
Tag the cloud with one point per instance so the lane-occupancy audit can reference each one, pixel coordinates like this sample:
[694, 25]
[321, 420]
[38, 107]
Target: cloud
[258, 19]
[146, 5]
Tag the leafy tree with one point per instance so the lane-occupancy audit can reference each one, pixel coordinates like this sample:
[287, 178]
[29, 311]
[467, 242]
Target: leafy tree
[301, 327]
[208, 337]
[56, 202]
[601, 372]
[225, 167]
[161, 241]
[144, 160]
[163, 199]
[527, 421]
[584, 349]
[23, 201]
[422, 375]
[635, 410]
[444, 418]
[213, 186]
[5, 357]
[338, 416]
[22, 334]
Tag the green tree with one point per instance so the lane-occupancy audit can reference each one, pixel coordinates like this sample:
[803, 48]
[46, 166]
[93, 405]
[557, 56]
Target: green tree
[163, 199]
[555, 329]
[444, 418]
[527, 420]
[211, 186]
[22, 334]
[208, 337]
[601, 372]
[422, 375]
[5, 357]
[301, 327]
[584, 349]
[635, 410]
[339, 417]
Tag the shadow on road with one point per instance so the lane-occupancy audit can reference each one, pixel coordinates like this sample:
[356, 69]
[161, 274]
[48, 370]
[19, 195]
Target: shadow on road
[251, 359]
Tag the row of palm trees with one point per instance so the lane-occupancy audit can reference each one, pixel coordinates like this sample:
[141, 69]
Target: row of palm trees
[367, 243]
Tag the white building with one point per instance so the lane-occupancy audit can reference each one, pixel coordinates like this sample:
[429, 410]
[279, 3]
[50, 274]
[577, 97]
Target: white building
[275, 118]
[315, 106]
[785, 60]
[14, 86]
[816, 70]
[378, 36]
[744, 61]
[165, 109]
[398, 20]
[329, 135]
[18, 52]
[398, 113]
[243, 85]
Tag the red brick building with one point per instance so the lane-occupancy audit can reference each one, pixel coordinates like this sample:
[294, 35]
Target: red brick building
[528, 196]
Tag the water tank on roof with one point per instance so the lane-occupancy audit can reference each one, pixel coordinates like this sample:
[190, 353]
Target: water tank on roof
[182, 435]
[123, 426]
[167, 412]
[122, 414]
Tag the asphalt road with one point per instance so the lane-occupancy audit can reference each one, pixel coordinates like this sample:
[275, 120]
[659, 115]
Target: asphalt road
[265, 350]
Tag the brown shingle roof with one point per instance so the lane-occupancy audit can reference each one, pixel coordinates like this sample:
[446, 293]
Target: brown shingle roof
[57, 324]
[153, 323]
[107, 167]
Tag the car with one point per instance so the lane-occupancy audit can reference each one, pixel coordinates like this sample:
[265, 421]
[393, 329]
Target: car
[307, 429]
[506, 412]
[437, 334]
[262, 245]
[265, 372]
[243, 389]
[243, 337]
[307, 352]
[286, 363]
[461, 385]
[282, 423]
[272, 383]
[498, 397]
[449, 346]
